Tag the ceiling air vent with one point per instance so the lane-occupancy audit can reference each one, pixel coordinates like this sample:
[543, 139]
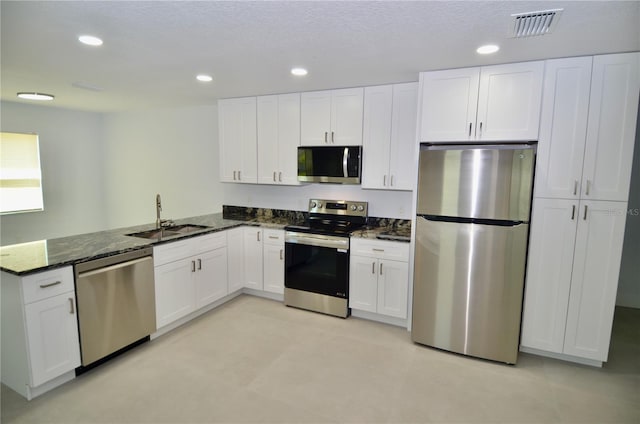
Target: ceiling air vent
[530, 24]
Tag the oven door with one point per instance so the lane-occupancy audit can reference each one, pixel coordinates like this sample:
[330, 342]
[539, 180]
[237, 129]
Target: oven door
[317, 264]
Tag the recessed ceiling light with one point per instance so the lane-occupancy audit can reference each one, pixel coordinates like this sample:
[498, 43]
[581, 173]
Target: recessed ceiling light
[31, 95]
[299, 72]
[204, 78]
[90, 40]
[488, 49]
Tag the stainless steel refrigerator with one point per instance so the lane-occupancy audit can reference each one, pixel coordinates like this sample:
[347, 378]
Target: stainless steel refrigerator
[472, 230]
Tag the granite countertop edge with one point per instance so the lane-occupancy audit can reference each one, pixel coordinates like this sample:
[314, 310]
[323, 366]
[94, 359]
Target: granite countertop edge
[18, 259]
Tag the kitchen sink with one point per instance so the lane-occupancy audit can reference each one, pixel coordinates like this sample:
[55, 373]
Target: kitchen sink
[168, 231]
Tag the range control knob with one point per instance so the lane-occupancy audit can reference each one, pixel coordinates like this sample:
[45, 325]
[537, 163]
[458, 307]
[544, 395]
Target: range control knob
[353, 207]
[319, 204]
[360, 208]
[312, 204]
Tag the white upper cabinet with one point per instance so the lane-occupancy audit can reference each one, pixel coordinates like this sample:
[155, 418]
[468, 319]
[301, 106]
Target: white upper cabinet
[237, 140]
[278, 126]
[332, 117]
[491, 103]
[587, 129]
[563, 128]
[611, 129]
[390, 113]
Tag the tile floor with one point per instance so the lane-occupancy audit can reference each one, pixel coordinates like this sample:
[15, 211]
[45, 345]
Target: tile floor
[254, 360]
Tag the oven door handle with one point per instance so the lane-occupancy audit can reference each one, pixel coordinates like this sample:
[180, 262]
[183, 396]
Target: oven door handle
[340, 243]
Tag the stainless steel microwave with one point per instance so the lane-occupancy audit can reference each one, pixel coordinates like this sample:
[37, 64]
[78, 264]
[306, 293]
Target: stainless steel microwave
[330, 164]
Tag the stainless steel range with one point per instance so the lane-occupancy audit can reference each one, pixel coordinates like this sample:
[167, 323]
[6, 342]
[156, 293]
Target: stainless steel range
[317, 256]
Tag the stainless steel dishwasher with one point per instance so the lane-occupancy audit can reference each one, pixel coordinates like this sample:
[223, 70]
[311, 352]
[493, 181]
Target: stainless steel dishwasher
[116, 303]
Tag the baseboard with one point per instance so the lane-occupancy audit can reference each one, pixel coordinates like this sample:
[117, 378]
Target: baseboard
[562, 357]
[399, 322]
[33, 392]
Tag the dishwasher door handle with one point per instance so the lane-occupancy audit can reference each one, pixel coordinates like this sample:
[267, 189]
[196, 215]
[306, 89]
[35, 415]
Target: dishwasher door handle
[113, 267]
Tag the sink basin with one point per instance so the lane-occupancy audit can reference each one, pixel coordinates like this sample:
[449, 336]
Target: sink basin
[172, 230]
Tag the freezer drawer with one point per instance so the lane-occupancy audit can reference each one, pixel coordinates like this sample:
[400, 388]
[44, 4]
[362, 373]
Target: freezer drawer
[468, 287]
[481, 181]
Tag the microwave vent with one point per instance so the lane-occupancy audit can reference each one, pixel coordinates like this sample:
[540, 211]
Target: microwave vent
[530, 24]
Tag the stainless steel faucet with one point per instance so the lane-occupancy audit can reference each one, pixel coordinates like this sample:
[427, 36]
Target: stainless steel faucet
[158, 209]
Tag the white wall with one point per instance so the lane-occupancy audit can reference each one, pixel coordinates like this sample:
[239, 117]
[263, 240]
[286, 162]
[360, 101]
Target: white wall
[629, 282]
[72, 172]
[173, 152]
[382, 203]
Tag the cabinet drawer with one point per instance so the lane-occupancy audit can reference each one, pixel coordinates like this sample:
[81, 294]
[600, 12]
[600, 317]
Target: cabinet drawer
[380, 249]
[47, 284]
[274, 237]
[181, 249]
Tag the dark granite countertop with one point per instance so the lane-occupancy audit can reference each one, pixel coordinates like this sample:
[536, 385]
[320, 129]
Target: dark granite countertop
[27, 258]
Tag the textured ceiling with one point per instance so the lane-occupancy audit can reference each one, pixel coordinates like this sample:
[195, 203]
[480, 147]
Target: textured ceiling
[153, 50]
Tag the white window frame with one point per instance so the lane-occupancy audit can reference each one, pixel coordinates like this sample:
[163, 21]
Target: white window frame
[20, 174]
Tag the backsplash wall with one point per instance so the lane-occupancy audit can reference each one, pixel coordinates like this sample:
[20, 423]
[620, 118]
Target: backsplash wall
[382, 203]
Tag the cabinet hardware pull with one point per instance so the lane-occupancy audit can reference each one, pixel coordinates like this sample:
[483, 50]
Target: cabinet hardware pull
[384, 180]
[392, 181]
[274, 176]
[280, 176]
[332, 140]
[234, 175]
[380, 268]
[377, 250]
[44, 286]
[71, 308]
[325, 137]
[588, 187]
[469, 129]
[480, 129]
[585, 213]
[239, 177]
[274, 237]
[199, 264]
[573, 212]
[373, 267]
[193, 266]
[575, 187]
[258, 234]
[281, 254]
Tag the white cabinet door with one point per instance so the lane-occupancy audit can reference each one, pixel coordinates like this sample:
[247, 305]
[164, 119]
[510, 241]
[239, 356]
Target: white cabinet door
[549, 266]
[52, 334]
[175, 291]
[449, 103]
[211, 277]
[363, 283]
[563, 128]
[594, 281]
[288, 138]
[274, 268]
[237, 139]
[492, 103]
[376, 137]
[509, 101]
[253, 272]
[611, 130]
[278, 138]
[267, 110]
[346, 116]
[235, 259]
[315, 118]
[393, 286]
[332, 117]
[402, 152]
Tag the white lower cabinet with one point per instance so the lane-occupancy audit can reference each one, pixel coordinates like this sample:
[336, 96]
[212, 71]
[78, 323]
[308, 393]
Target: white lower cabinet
[273, 256]
[572, 276]
[253, 258]
[379, 277]
[235, 259]
[189, 274]
[39, 330]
